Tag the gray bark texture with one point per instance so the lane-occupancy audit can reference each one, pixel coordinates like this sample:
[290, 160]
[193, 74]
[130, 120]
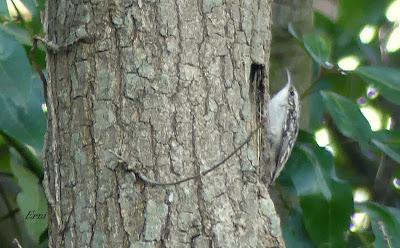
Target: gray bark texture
[166, 85]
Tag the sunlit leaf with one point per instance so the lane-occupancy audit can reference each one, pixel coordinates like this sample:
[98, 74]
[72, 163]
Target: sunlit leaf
[385, 224]
[29, 12]
[3, 8]
[35, 24]
[31, 200]
[29, 5]
[388, 142]
[347, 117]
[318, 47]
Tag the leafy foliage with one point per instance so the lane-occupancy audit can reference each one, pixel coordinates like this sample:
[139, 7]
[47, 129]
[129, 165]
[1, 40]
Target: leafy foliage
[356, 13]
[320, 205]
[347, 117]
[22, 128]
[388, 142]
[324, 200]
[319, 48]
[31, 199]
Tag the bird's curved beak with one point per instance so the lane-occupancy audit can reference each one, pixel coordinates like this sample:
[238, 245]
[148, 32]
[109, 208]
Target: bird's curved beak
[289, 78]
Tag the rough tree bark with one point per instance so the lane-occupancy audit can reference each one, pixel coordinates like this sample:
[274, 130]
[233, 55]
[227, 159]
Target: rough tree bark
[166, 84]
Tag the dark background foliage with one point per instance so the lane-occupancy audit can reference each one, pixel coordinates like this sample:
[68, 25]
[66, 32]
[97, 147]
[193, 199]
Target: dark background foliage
[346, 193]
[343, 192]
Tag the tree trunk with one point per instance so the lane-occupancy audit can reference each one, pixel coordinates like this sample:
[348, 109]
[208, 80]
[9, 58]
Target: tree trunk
[166, 84]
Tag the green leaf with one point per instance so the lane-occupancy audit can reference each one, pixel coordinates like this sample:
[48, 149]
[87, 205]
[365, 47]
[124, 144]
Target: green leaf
[294, 232]
[385, 223]
[4, 158]
[388, 142]
[3, 8]
[41, 4]
[387, 76]
[316, 112]
[389, 94]
[319, 48]
[32, 160]
[26, 124]
[31, 5]
[386, 79]
[21, 95]
[326, 203]
[19, 33]
[15, 70]
[31, 200]
[324, 24]
[35, 25]
[348, 86]
[356, 13]
[347, 117]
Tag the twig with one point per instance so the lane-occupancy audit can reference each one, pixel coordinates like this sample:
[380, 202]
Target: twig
[385, 234]
[53, 47]
[11, 212]
[49, 44]
[380, 168]
[202, 173]
[16, 244]
[32, 162]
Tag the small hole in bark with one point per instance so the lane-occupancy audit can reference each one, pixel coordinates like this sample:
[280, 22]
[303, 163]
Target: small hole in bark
[257, 87]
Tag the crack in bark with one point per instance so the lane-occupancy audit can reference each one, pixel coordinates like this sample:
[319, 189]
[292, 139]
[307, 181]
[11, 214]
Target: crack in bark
[178, 63]
[92, 146]
[118, 198]
[200, 200]
[94, 164]
[119, 72]
[193, 240]
[153, 143]
[165, 231]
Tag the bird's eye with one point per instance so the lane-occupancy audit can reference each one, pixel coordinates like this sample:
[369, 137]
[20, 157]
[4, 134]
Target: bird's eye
[292, 93]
